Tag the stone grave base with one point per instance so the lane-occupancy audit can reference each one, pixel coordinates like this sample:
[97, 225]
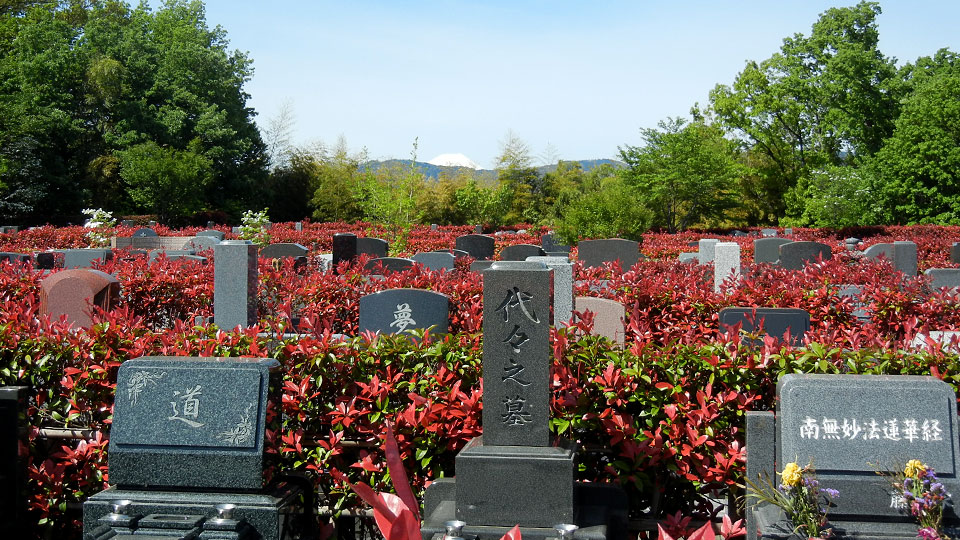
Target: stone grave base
[273, 515]
[601, 514]
[773, 525]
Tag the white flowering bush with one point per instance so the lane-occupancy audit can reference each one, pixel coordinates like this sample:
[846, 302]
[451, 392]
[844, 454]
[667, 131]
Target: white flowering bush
[253, 227]
[102, 223]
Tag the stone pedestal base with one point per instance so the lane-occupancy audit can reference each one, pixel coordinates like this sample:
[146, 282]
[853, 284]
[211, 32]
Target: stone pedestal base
[773, 525]
[273, 515]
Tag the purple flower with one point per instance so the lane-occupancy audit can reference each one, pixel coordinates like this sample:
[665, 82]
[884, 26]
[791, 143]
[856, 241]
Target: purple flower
[832, 493]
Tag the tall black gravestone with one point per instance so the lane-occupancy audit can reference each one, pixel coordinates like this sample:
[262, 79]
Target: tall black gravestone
[13, 427]
[188, 453]
[515, 474]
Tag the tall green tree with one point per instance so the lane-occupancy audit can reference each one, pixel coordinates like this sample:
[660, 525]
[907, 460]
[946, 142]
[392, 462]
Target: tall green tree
[685, 172]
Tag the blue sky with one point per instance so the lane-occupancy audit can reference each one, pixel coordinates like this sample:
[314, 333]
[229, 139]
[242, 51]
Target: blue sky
[581, 77]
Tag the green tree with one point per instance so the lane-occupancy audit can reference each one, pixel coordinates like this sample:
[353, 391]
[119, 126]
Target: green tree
[836, 196]
[338, 178]
[519, 181]
[166, 181]
[684, 172]
[613, 210]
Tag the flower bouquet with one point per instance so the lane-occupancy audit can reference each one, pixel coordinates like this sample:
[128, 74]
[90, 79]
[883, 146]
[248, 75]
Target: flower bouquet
[799, 495]
[924, 496]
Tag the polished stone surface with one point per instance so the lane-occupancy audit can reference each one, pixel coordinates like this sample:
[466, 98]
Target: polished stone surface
[772, 321]
[595, 253]
[285, 249]
[235, 284]
[479, 246]
[520, 252]
[767, 250]
[608, 317]
[435, 260]
[795, 255]
[562, 287]
[372, 246]
[726, 264]
[396, 311]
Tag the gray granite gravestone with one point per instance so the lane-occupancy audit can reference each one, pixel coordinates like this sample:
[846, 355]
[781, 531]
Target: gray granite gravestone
[771, 321]
[396, 311]
[562, 287]
[520, 252]
[128, 223]
[276, 251]
[383, 265]
[903, 255]
[188, 453]
[235, 284]
[479, 246]
[796, 255]
[13, 471]
[151, 223]
[213, 233]
[788, 231]
[608, 316]
[435, 260]
[860, 308]
[513, 474]
[344, 248]
[201, 243]
[768, 232]
[16, 258]
[955, 252]
[171, 254]
[726, 263]
[480, 266]
[705, 248]
[550, 244]
[372, 246]
[849, 427]
[85, 258]
[144, 232]
[595, 253]
[940, 278]
[689, 257]
[767, 250]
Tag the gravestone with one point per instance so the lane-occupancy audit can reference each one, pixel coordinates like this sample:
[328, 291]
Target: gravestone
[903, 255]
[235, 277]
[595, 253]
[771, 321]
[144, 232]
[706, 248]
[738, 234]
[514, 474]
[550, 244]
[172, 254]
[435, 260]
[188, 445]
[434, 227]
[213, 233]
[372, 246]
[13, 471]
[767, 250]
[788, 231]
[860, 309]
[85, 258]
[795, 255]
[479, 246]
[940, 278]
[9, 229]
[397, 311]
[344, 248]
[849, 427]
[852, 243]
[298, 226]
[520, 252]
[562, 287]
[689, 257]
[276, 251]
[955, 252]
[128, 223]
[948, 340]
[47, 260]
[16, 258]
[382, 265]
[201, 243]
[768, 232]
[608, 317]
[151, 223]
[480, 266]
[726, 263]
[74, 293]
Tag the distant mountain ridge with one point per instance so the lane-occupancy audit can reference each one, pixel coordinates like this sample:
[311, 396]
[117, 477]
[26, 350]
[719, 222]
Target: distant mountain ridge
[434, 171]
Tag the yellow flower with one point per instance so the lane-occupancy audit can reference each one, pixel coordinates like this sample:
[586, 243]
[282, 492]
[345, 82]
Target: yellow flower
[914, 468]
[791, 475]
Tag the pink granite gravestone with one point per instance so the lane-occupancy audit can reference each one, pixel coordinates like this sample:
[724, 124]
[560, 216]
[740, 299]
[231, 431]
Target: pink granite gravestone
[608, 316]
[74, 293]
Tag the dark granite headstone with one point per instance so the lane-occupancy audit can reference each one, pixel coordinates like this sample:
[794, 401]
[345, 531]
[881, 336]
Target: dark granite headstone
[435, 260]
[344, 248]
[85, 258]
[860, 308]
[955, 252]
[276, 251]
[940, 278]
[480, 247]
[13, 471]
[795, 255]
[74, 293]
[201, 243]
[768, 232]
[235, 284]
[396, 311]
[128, 223]
[520, 252]
[850, 427]
[550, 244]
[767, 250]
[151, 223]
[382, 265]
[771, 321]
[144, 232]
[596, 252]
[193, 422]
[852, 243]
[372, 246]
[213, 233]
[47, 260]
